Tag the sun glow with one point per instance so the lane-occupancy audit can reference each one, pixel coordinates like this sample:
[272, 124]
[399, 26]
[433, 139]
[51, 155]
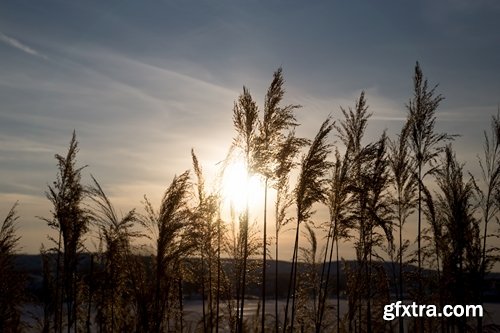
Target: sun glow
[237, 186]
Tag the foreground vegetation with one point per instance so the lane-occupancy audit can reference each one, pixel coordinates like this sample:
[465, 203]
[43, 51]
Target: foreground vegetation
[371, 191]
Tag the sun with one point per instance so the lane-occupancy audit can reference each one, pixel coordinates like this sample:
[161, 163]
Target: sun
[237, 186]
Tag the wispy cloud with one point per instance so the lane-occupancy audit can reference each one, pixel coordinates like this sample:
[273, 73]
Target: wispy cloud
[20, 46]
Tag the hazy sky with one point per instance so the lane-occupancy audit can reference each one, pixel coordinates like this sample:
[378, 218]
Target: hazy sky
[144, 82]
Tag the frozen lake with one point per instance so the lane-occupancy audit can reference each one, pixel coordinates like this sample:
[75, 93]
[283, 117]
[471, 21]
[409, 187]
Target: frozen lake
[193, 311]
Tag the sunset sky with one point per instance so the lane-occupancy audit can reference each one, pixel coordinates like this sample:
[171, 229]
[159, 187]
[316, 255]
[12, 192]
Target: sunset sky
[144, 82]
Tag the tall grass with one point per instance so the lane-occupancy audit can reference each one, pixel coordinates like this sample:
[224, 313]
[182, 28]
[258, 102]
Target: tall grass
[351, 132]
[402, 168]
[117, 232]
[174, 237]
[460, 240]
[425, 143]
[371, 191]
[70, 218]
[276, 120]
[11, 279]
[490, 177]
[245, 120]
[308, 191]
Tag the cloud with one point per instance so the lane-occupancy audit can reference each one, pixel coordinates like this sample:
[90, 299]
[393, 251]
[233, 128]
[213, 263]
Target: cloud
[19, 144]
[20, 46]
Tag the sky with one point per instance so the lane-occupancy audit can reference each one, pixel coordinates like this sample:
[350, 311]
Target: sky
[142, 83]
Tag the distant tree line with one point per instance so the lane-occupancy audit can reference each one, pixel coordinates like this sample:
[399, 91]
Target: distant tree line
[371, 191]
